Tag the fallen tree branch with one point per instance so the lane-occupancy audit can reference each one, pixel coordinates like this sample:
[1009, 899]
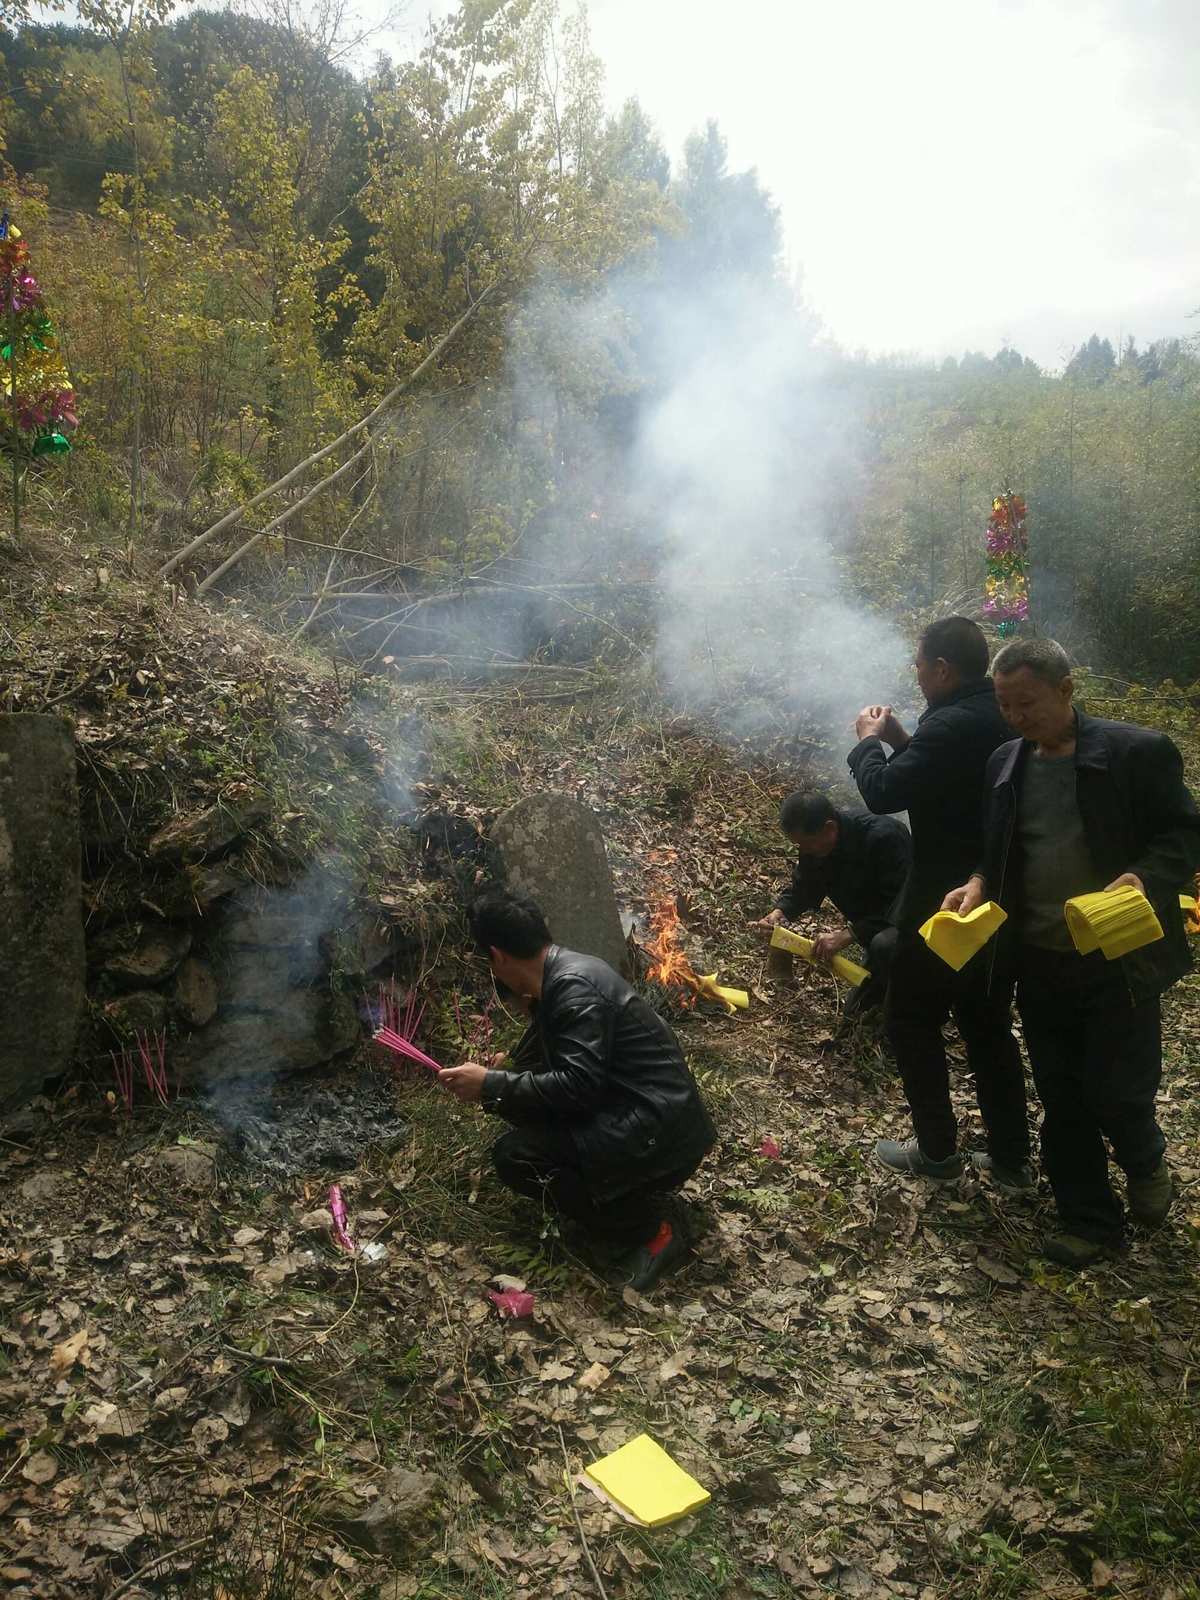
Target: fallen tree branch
[587, 1553]
[284, 516]
[448, 663]
[167, 1555]
[319, 599]
[302, 467]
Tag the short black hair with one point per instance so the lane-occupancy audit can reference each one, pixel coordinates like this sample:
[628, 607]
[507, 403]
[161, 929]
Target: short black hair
[806, 812]
[506, 919]
[1045, 658]
[958, 641]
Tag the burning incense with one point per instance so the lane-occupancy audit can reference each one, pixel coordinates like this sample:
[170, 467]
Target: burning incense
[123, 1065]
[152, 1050]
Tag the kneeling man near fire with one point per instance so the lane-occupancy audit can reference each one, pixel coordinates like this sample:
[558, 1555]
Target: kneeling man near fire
[1076, 804]
[607, 1120]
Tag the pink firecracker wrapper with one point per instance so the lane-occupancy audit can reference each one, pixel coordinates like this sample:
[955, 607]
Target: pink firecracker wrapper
[512, 1302]
[341, 1228]
[769, 1148]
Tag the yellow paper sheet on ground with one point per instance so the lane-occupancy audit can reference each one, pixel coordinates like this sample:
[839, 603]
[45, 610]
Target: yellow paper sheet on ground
[798, 945]
[1113, 921]
[956, 939]
[643, 1481]
[733, 999]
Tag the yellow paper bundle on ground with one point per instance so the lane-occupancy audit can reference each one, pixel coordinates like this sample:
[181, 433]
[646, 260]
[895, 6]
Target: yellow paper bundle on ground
[642, 1481]
[956, 939]
[798, 945]
[734, 999]
[1113, 921]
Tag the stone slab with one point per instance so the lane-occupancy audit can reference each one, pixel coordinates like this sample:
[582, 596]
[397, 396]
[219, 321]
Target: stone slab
[42, 961]
[552, 848]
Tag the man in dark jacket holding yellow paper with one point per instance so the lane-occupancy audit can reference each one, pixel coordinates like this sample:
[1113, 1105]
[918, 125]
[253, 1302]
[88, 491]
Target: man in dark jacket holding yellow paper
[607, 1119]
[936, 775]
[859, 863]
[1075, 805]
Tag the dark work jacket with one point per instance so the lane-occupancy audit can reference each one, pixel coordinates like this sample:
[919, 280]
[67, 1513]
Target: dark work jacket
[607, 1070]
[938, 780]
[1137, 817]
[863, 874]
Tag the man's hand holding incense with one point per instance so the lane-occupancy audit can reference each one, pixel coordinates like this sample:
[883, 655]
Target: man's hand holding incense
[965, 899]
[829, 944]
[466, 1082]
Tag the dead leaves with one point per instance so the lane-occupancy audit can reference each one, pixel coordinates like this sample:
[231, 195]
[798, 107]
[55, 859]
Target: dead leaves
[40, 1468]
[64, 1356]
[927, 1503]
[997, 1271]
[596, 1375]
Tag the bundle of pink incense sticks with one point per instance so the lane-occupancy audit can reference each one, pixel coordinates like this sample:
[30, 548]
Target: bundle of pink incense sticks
[397, 1029]
[391, 1040]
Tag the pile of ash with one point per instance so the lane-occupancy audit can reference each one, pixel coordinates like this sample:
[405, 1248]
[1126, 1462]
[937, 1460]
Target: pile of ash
[299, 1124]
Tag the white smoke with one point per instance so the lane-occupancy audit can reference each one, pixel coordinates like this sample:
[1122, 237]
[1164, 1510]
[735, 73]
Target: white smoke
[748, 460]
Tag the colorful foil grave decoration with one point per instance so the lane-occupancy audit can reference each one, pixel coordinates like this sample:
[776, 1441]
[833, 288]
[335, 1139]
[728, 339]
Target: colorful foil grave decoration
[38, 410]
[1006, 588]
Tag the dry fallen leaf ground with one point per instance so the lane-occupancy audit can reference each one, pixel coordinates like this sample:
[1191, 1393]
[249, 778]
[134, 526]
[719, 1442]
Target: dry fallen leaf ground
[884, 1389]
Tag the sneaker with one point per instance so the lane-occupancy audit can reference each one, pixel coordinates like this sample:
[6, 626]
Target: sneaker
[1009, 1180]
[1069, 1250]
[649, 1262]
[909, 1157]
[1150, 1198]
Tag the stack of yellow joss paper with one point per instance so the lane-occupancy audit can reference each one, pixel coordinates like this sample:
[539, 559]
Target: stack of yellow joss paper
[956, 939]
[1113, 921]
[797, 944]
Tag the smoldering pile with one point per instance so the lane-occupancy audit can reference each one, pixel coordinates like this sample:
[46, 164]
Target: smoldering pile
[294, 1125]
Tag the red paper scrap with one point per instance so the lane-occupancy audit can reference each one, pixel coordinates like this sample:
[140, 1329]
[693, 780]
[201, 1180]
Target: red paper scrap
[511, 1302]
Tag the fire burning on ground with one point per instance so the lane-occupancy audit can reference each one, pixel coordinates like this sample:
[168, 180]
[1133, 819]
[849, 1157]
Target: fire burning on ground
[671, 967]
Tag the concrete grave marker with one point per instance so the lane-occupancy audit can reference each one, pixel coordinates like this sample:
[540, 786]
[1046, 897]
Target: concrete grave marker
[42, 964]
[552, 848]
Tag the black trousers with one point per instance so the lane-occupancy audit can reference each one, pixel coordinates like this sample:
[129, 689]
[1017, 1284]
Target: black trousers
[880, 953]
[540, 1163]
[923, 994]
[1097, 1062]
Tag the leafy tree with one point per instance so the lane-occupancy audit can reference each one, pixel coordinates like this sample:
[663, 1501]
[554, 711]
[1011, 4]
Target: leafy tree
[1093, 363]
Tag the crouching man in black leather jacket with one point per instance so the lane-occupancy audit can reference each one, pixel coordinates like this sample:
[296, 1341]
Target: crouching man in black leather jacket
[607, 1119]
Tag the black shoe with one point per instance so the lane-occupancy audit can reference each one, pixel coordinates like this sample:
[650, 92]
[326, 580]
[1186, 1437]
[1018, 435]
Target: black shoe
[649, 1262]
[1150, 1197]
[1020, 1180]
[1070, 1250]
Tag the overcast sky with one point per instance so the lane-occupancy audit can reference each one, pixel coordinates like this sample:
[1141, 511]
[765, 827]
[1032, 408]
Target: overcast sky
[952, 173]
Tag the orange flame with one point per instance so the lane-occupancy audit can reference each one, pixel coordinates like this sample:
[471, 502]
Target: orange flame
[1191, 917]
[671, 967]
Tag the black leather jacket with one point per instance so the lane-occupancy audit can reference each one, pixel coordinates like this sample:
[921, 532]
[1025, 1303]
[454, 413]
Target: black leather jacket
[863, 874]
[608, 1070]
[1137, 817]
[938, 779]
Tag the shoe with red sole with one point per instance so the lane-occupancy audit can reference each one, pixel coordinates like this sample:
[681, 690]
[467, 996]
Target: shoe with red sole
[649, 1262]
